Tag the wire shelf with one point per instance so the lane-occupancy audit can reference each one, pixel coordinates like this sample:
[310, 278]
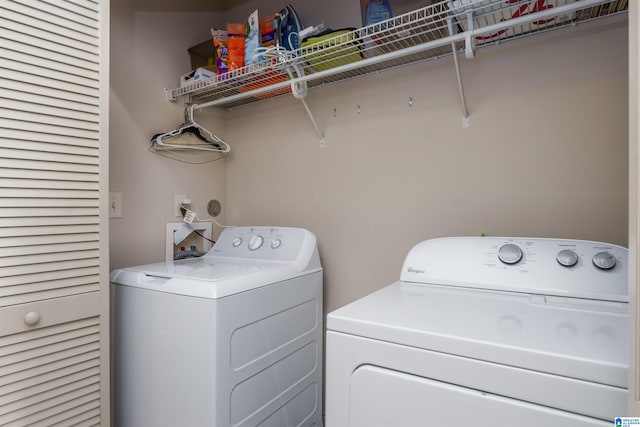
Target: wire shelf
[420, 35]
[486, 13]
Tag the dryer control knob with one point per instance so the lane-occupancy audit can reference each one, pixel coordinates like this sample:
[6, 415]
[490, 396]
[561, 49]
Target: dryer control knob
[567, 258]
[604, 260]
[510, 253]
[255, 242]
[237, 242]
[275, 244]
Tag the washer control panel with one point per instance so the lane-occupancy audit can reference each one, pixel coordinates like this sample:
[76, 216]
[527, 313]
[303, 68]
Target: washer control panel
[560, 267]
[267, 243]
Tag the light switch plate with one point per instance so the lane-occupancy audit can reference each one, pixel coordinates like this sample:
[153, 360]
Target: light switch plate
[115, 205]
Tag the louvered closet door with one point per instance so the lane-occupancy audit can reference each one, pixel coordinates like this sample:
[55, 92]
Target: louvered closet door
[53, 234]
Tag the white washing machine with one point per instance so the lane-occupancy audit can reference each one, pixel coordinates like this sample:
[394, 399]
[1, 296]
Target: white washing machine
[233, 338]
[486, 332]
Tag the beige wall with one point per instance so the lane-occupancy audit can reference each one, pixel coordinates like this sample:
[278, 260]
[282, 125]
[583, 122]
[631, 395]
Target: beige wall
[546, 155]
[149, 53]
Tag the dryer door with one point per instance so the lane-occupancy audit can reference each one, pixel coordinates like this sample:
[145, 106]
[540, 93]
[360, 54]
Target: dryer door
[384, 397]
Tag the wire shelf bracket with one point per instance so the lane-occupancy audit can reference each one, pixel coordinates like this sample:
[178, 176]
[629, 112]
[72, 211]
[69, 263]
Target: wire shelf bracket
[299, 91]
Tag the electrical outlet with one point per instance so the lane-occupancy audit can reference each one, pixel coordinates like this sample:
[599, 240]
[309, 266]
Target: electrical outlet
[176, 204]
[115, 205]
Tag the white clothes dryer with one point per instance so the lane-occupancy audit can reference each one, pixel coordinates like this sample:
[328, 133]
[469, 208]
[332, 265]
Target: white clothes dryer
[488, 332]
[233, 338]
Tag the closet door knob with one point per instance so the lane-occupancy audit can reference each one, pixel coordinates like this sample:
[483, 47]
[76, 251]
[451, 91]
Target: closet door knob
[32, 318]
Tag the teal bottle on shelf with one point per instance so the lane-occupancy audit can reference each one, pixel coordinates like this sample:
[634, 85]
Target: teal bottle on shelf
[376, 11]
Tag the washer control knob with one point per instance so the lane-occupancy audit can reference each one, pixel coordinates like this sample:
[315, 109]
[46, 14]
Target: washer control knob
[275, 243]
[567, 258]
[255, 242]
[237, 242]
[604, 260]
[510, 253]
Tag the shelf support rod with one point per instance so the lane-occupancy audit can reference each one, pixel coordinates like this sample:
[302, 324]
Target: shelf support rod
[463, 101]
[465, 112]
[313, 121]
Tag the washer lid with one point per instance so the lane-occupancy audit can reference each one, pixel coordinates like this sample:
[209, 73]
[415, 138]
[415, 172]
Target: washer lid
[243, 258]
[206, 277]
[576, 338]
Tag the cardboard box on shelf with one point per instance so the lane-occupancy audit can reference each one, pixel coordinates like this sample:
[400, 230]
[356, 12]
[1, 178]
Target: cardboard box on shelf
[202, 55]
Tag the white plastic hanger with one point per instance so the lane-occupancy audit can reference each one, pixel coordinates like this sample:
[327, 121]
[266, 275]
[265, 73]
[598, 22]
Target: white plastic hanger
[210, 141]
